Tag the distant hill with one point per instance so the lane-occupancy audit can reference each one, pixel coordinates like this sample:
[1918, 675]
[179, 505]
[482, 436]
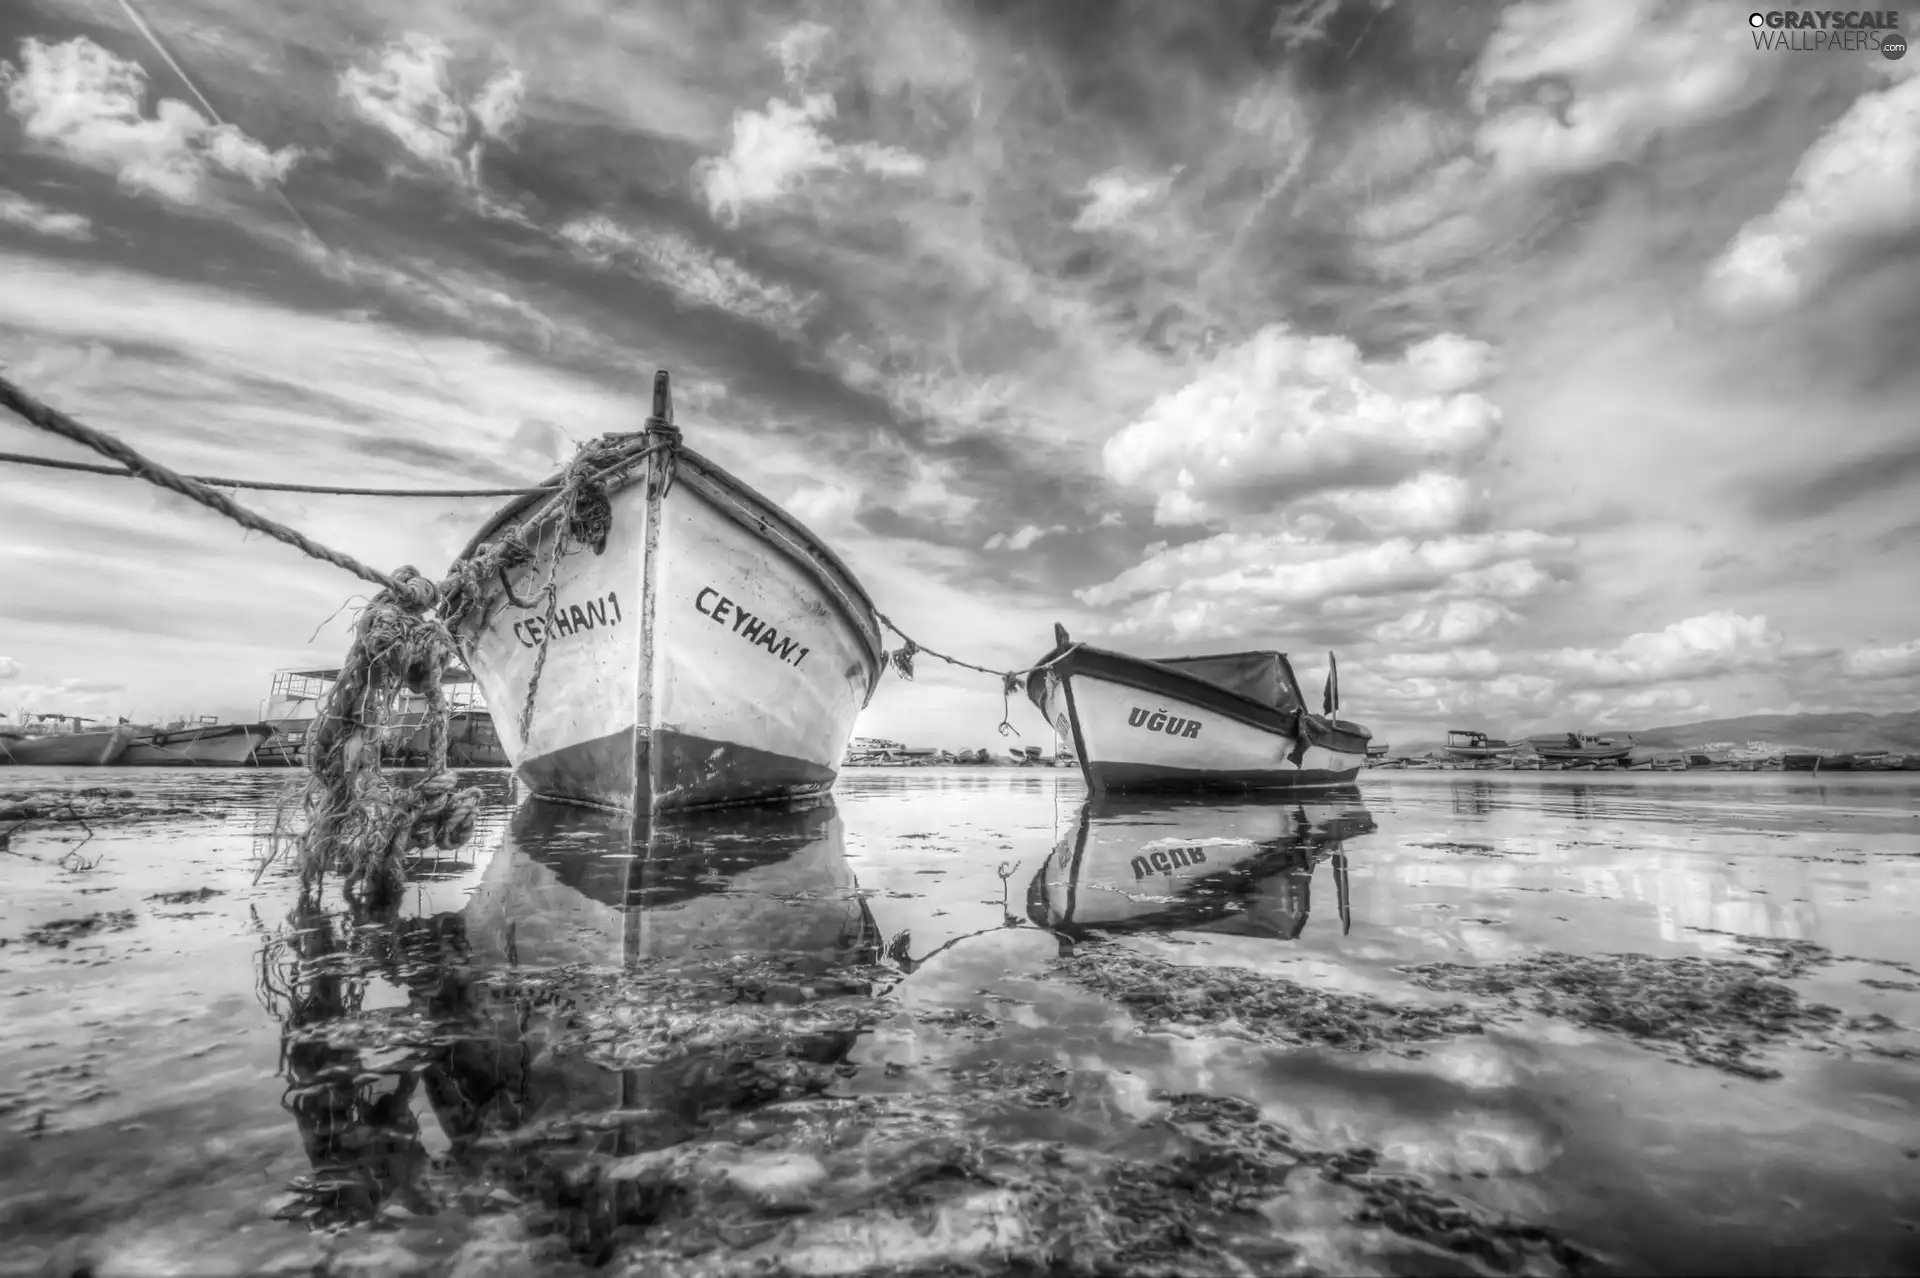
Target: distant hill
[1853, 731]
[1898, 732]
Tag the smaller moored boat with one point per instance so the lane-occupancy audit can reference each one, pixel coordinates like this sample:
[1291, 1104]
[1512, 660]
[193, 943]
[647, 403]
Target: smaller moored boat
[1464, 743]
[59, 740]
[1231, 721]
[1580, 747]
[206, 744]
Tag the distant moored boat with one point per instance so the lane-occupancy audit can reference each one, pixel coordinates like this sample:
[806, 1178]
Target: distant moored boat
[1579, 747]
[198, 745]
[1465, 743]
[1236, 721]
[65, 744]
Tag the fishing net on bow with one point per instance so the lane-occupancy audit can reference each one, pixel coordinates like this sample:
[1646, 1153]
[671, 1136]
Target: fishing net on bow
[361, 823]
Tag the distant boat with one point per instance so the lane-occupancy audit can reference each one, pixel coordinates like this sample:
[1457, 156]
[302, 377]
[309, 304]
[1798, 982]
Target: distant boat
[1235, 721]
[1377, 753]
[706, 649]
[206, 744]
[1242, 868]
[1465, 743]
[472, 742]
[295, 696]
[1579, 747]
[58, 740]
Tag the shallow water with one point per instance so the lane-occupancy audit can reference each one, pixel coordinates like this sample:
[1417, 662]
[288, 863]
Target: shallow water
[949, 1021]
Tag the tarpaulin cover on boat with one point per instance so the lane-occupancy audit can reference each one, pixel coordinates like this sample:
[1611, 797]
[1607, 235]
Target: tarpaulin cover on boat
[1260, 676]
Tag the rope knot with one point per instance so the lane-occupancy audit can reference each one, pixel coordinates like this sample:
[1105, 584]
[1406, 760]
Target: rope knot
[414, 591]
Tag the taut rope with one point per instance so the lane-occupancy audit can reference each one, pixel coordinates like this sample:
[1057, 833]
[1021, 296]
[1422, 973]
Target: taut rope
[56, 422]
[261, 485]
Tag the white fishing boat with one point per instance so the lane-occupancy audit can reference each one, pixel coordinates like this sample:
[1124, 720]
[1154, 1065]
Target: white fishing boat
[1235, 721]
[1243, 868]
[692, 645]
[205, 744]
[295, 696]
[63, 740]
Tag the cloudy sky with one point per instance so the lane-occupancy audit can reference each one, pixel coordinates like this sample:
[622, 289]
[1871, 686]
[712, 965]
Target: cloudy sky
[1553, 362]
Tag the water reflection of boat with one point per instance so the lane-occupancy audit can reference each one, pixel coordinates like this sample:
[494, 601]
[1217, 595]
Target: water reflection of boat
[474, 1033]
[1242, 868]
[575, 884]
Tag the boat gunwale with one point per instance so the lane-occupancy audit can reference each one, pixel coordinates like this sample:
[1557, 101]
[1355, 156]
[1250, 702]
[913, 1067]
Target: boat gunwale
[745, 505]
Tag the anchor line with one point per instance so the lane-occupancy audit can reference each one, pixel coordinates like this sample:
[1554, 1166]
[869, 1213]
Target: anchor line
[261, 485]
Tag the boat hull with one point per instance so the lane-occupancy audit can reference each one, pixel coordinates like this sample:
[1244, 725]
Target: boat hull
[221, 745]
[1566, 754]
[71, 749]
[472, 742]
[1138, 727]
[712, 654]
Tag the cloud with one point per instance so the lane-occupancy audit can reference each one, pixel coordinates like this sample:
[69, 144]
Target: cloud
[1456, 621]
[18, 210]
[1633, 709]
[772, 152]
[88, 105]
[1430, 503]
[691, 271]
[1114, 196]
[1231, 582]
[1284, 415]
[88, 698]
[1859, 181]
[408, 92]
[1895, 662]
[822, 506]
[1457, 663]
[1566, 86]
[1022, 539]
[1702, 647]
[9, 668]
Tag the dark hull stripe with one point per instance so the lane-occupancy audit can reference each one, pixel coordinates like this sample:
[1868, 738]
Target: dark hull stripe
[676, 772]
[1108, 777]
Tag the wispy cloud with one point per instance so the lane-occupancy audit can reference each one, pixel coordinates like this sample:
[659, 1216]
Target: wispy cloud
[42, 219]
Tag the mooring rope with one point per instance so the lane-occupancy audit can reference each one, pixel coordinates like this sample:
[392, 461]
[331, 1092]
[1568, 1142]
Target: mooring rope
[901, 660]
[359, 822]
[261, 485]
[56, 422]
